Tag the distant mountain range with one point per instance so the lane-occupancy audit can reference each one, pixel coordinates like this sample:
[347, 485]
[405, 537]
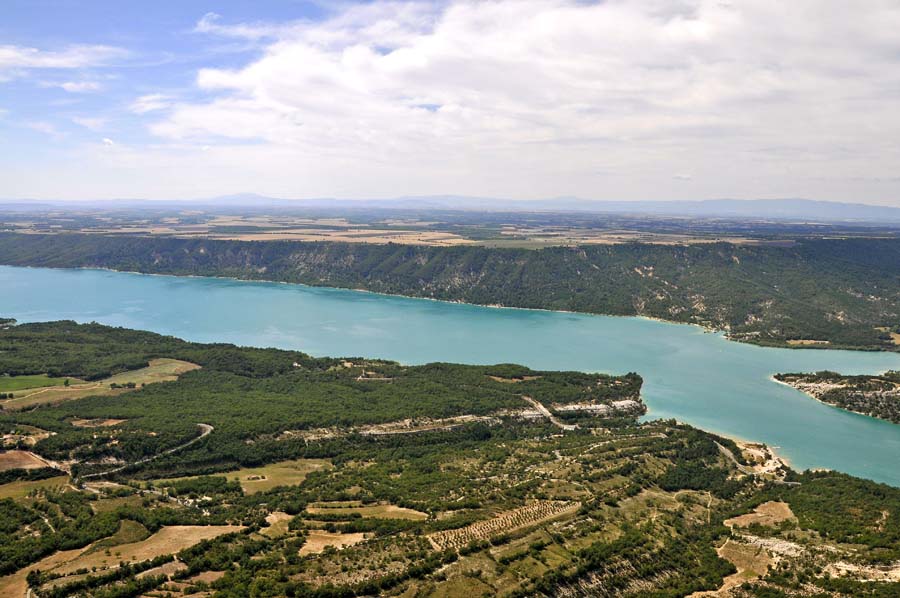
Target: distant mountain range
[805, 210]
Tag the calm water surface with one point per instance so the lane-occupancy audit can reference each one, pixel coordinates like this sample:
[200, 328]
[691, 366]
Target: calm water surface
[689, 374]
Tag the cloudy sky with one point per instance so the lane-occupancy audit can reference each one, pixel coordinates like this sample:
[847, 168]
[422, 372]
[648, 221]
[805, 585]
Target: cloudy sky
[619, 99]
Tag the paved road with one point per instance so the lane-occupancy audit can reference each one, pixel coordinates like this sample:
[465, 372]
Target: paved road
[546, 413]
[205, 430]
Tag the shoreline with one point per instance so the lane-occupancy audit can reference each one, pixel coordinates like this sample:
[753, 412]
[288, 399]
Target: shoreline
[721, 332]
[739, 440]
[722, 426]
[827, 404]
[774, 450]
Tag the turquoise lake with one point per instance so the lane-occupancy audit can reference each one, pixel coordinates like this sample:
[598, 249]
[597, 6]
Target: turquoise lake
[691, 375]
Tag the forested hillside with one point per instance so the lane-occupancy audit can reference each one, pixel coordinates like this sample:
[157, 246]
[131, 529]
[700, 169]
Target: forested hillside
[270, 473]
[263, 397]
[837, 292]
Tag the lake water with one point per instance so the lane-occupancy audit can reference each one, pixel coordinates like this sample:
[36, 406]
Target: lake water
[692, 375]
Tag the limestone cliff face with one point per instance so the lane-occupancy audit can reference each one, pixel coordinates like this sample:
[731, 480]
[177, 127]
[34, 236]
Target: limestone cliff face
[765, 294]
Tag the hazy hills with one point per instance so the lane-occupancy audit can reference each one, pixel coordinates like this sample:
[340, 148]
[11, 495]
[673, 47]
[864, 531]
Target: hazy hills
[805, 210]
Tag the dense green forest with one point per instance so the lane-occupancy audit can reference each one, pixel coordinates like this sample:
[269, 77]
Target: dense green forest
[435, 480]
[258, 395]
[843, 291]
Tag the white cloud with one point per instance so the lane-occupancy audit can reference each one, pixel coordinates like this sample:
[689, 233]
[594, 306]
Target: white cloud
[73, 86]
[150, 103]
[94, 123]
[551, 96]
[108, 142]
[535, 98]
[15, 60]
[211, 24]
[381, 23]
[80, 86]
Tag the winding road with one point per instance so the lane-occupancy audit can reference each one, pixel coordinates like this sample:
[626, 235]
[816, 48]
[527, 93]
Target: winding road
[205, 430]
[546, 413]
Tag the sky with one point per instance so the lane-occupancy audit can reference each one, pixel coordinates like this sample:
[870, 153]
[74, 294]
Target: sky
[615, 100]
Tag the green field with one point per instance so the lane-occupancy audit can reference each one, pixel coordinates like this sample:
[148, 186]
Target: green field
[44, 393]
[14, 383]
[21, 489]
[261, 479]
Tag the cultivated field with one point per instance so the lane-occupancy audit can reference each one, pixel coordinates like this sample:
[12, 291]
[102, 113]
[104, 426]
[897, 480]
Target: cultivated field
[19, 460]
[168, 540]
[260, 479]
[159, 370]
[14, 383]
[532, 514]
[375, 236]
[278, 524]
[21, 489]
[54, 395]
[285, 473]
[105, 505]
[373, 511]
[318, 540]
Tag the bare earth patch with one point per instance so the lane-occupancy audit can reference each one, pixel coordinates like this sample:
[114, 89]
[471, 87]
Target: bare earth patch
[167, 569]
[889, 573]
[768, 514]
[207, 576]
[751, 562]
[28, 435]
[96, 423]
[806, 342]
[318, 540]
[514, 380]
[20, 460]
